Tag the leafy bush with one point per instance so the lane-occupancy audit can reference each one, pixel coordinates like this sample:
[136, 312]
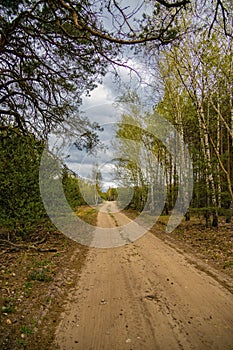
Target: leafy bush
[20, 201]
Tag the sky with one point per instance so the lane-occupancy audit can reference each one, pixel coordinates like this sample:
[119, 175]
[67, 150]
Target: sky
[101, 107]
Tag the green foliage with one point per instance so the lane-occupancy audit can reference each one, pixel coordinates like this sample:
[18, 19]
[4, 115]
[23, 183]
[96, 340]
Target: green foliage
[43, 56]
[42, 275]
[26, 330]
[111, 194]
[139, 198]
[21, 341]
[198, 101]
[79, 191]
[28, 288]
[20, 201]
[71, 186]
[8, 309]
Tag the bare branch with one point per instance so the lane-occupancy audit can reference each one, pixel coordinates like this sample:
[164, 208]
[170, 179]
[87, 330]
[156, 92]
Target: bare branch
[224, 12]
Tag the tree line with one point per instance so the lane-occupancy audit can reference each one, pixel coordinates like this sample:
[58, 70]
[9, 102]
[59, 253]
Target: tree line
[54, 52]
[197, 75]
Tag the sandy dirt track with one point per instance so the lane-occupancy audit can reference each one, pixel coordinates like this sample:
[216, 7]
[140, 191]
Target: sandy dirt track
[144, 295]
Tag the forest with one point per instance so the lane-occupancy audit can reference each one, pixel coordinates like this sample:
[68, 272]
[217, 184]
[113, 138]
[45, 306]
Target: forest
[164, 70]
[197, 79]
[54, 53]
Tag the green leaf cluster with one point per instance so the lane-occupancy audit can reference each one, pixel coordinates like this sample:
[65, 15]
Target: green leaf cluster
[20, 202]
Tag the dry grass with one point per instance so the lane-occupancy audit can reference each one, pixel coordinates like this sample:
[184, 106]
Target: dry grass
[34, 286]
[213, 245]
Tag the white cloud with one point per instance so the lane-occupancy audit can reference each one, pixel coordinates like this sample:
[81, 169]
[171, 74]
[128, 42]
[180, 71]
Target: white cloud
[99, 96]
[100, 107]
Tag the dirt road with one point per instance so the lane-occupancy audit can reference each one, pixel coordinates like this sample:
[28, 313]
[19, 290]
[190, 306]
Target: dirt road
[144, 295]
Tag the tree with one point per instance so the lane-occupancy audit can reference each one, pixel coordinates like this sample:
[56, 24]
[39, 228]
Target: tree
[143, 155]
[199, 91]
[97, 178]
[46, 64]
[71, 186]
[111, 194]
[20, 200]
[52, 52]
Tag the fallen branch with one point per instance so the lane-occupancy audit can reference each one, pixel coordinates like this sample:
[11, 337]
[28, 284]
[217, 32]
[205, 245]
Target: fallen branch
[26, 247]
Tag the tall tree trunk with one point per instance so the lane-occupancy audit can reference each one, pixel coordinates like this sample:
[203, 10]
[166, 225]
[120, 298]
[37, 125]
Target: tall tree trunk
[219, 187]
[204, 127]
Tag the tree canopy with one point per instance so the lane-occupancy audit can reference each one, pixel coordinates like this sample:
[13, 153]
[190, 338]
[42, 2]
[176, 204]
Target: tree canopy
[53, 52]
